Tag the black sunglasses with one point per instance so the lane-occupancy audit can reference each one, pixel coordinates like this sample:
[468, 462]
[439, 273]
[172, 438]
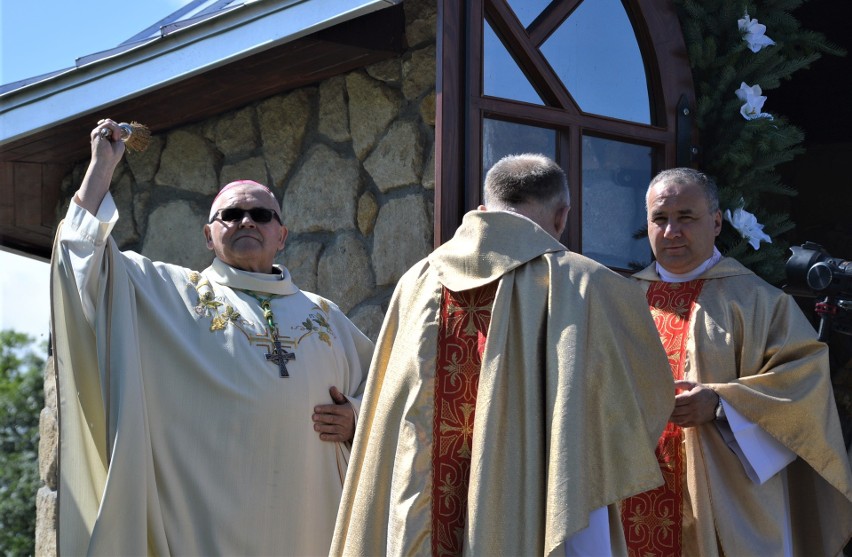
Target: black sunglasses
[257, 214]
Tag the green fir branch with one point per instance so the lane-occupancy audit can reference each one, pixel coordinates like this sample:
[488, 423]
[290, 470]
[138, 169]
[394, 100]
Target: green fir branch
[742, 155]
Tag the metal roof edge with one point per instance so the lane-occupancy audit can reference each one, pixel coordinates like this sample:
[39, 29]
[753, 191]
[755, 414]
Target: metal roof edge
[180, 54]
[21, 83]
[174, 16]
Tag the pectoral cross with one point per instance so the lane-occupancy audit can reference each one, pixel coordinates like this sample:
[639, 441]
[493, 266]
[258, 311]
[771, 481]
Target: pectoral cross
[280, 356]
[276, 354]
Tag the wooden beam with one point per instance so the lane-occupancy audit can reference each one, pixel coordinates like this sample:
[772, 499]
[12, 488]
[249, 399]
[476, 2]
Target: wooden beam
[449, 120]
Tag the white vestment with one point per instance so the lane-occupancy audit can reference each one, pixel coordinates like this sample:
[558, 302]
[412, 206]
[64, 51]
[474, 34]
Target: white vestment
[177, 434]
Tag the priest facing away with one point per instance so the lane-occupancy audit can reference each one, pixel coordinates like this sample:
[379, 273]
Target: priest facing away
[202, 412]
[516, 393]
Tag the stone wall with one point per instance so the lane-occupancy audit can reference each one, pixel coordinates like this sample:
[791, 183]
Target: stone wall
[350, 158]
[48, 446]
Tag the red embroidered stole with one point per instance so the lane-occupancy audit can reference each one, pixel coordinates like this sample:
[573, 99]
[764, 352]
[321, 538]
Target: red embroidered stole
[653, 520]
[465, 317]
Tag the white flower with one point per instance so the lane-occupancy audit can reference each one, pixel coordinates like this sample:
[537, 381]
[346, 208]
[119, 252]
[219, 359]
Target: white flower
[748, 227]
[753, 33]
[753, 102]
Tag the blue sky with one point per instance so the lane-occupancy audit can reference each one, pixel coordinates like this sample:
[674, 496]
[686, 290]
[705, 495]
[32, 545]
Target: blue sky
[40, 36]
[37, 37]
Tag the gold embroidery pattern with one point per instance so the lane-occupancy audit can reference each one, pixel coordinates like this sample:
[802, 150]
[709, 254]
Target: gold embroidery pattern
[317, 323]
[209, 305]
[465, 317]
[457, 429]
[470, 317]
[653, 520]
[222, 315]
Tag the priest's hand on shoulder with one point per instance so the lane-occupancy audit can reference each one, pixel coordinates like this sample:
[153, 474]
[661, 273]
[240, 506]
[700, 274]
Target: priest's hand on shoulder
[695, 404]
[335, 422]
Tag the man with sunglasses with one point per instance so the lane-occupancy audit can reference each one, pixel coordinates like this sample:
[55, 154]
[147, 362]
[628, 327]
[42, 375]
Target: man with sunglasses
[202, 412]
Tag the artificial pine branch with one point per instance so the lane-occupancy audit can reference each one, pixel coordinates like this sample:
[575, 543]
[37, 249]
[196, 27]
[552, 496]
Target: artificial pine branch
[743, 155]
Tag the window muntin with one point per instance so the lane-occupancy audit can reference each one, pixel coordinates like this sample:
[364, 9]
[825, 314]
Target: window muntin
[528, 10]
[501, 76]
[467, 103]
[596, 55]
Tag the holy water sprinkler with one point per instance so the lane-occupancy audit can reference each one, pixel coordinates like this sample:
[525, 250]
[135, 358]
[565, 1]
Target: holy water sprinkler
[135, 135]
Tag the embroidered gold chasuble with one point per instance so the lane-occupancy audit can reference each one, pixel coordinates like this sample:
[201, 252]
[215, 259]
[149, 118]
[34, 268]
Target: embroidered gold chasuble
[573, 392]
[750, 342]
[465, 317]
[177, 434]
[654, 521]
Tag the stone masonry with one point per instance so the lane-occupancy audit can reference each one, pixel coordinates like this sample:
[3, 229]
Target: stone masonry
[350, 158]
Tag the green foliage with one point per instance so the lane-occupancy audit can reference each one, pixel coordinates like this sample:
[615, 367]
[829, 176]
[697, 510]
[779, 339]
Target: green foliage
[21, 401]
[743, 155]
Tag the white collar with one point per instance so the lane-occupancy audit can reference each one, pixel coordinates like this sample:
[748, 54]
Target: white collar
[273, 283]
[691, 275]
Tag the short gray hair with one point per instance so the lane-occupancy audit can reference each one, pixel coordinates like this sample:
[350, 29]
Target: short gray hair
[686, 176]
[518, 179]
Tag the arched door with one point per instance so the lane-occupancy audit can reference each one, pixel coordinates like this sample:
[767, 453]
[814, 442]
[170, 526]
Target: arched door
[601, 86]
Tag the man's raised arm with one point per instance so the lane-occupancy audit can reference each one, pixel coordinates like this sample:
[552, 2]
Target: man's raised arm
[106, 154]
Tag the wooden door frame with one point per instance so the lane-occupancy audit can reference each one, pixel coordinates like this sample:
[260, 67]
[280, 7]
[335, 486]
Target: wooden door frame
[460, 107]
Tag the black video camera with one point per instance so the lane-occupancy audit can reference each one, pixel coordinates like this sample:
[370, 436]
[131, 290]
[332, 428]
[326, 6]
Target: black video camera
[812, 272]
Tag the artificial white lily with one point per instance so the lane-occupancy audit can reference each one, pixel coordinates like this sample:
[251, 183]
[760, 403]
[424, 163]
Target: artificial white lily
[748, 227]
[753, 99]
[753, 33]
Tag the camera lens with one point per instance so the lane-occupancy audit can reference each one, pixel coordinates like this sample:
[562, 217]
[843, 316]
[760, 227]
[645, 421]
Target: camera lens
[819, 276]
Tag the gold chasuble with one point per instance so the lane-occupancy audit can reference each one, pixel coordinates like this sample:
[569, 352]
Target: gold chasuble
[465, 317]
[653, 521]
[569, 399]
[749, 341]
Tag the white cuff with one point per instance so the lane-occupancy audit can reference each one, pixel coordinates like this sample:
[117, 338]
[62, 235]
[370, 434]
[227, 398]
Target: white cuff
[761, 455]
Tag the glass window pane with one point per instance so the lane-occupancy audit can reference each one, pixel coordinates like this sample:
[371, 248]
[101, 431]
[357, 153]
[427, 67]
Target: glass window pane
[597, 57]
[615, 178]
[528, 10]
[500, 74]
[507, 138]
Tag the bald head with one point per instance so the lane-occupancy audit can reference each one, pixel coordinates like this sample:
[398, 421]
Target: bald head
[244, 185]
[245, 229]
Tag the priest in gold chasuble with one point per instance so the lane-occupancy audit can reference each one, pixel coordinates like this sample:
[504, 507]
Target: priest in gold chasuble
[516, 393]
[753, 454]
[201, 412]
